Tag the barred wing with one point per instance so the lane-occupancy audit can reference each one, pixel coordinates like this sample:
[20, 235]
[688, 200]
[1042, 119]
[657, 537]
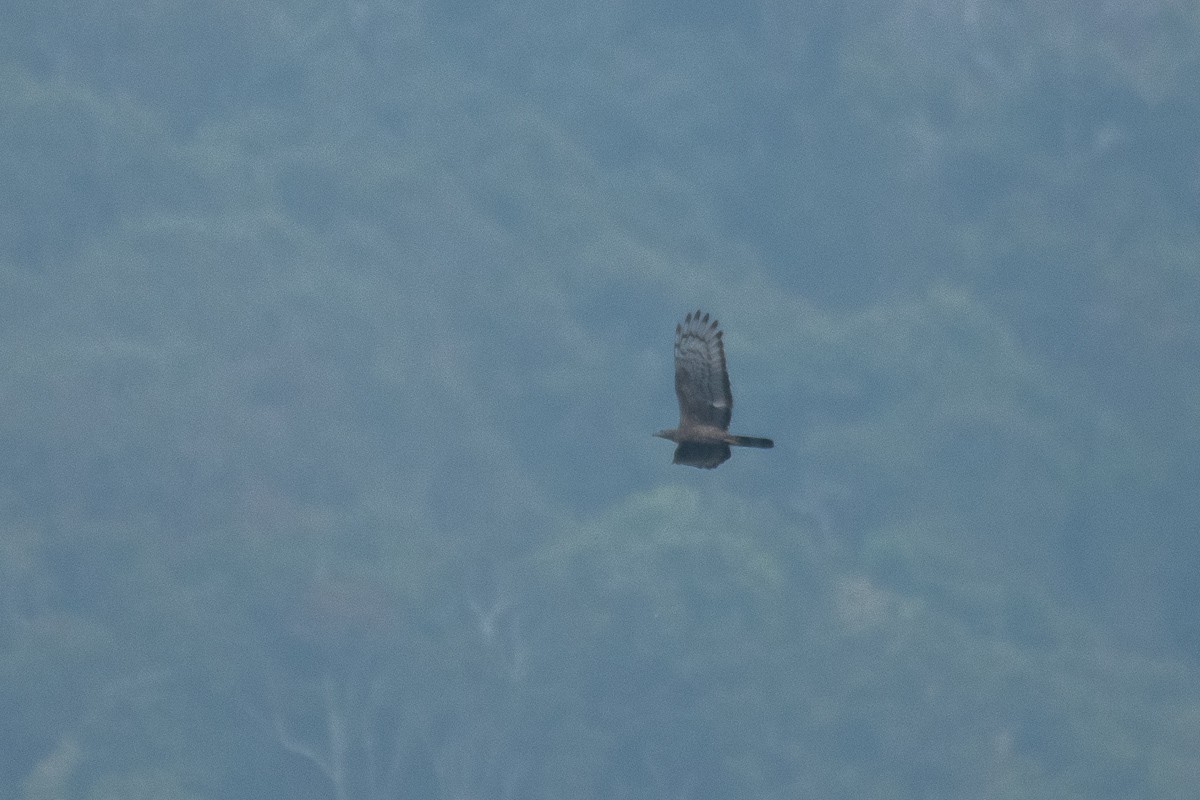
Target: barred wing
[701, 381]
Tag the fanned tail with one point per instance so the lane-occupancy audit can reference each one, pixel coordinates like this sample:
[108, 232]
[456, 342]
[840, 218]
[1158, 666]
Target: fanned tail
[751, 441]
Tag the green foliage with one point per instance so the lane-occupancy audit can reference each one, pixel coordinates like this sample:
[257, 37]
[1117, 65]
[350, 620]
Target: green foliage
[329, 334]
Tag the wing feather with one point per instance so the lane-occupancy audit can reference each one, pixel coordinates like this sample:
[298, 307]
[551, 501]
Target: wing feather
[701, 380]
[704, 456]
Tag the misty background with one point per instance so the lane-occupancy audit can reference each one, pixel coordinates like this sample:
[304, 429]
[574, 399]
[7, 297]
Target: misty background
[332, 336]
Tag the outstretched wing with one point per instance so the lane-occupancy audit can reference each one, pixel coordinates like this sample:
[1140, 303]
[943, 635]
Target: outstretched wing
[698, 454]
[701, 382]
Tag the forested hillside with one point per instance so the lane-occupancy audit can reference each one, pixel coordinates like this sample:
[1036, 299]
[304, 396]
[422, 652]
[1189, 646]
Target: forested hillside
[333, 333]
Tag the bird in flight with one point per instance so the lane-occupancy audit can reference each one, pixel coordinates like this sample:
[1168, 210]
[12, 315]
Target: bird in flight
[705, 401]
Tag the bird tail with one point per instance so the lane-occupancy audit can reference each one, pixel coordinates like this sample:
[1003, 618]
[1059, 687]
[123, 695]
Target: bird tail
[750, 441]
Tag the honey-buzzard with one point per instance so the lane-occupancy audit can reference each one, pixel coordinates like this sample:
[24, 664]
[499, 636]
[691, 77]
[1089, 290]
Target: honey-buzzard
[705, 401]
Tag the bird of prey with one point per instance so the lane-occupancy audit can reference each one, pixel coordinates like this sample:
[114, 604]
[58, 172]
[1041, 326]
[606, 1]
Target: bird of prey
[705, 401]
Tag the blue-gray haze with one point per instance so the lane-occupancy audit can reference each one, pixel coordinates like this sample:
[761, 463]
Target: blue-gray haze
[332, 336]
